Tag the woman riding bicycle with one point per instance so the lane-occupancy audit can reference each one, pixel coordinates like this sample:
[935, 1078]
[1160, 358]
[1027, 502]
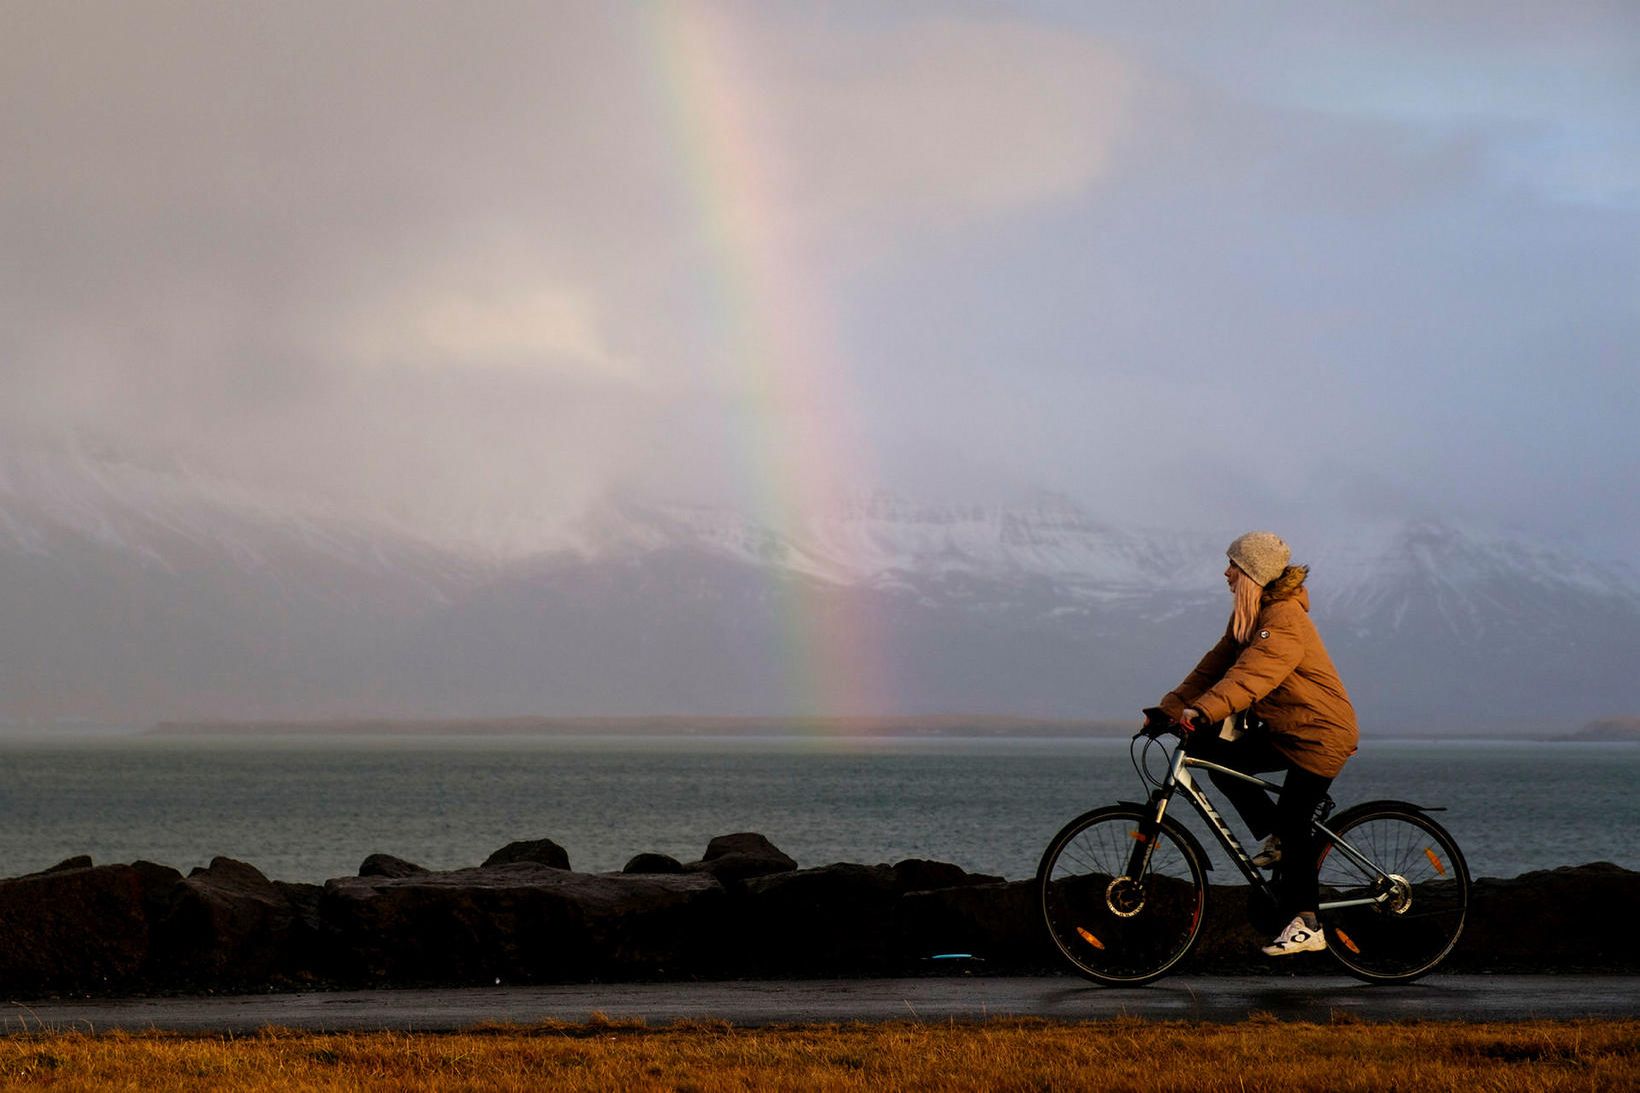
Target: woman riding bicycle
[1271, 665]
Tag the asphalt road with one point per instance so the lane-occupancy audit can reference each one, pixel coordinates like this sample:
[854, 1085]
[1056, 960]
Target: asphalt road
[1215, 998]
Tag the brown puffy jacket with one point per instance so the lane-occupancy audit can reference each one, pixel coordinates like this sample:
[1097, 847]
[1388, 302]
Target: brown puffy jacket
[1284, 676]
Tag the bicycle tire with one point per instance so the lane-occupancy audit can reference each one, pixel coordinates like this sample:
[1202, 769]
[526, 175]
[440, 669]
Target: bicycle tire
[1408, 934]
[1106, 926]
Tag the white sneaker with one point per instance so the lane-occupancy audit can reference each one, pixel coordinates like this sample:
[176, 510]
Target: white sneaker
[1269, 853]
[1296, 938]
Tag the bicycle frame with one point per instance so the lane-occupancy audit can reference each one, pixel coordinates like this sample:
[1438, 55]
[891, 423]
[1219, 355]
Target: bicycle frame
[1179, 778]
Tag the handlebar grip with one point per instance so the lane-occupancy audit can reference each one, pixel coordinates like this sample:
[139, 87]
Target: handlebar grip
[1158, 723]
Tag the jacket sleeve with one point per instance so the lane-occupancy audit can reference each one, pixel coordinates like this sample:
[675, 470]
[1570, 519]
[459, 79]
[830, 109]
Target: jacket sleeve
[1217, 661]
[1277, 647]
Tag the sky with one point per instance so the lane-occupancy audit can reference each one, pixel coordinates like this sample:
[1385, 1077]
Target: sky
[1192, 264]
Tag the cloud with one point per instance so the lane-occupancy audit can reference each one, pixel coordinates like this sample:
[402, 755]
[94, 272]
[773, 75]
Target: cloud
[1264, 305]
[535, 324]
[454, 249]
[934, 122]
[447, 259]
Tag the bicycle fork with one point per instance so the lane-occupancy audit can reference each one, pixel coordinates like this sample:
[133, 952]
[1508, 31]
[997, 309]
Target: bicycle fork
[1150, 826]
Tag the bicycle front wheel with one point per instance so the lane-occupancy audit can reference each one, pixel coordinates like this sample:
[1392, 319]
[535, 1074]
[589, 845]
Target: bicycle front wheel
[1396, 856]
[1110, 926]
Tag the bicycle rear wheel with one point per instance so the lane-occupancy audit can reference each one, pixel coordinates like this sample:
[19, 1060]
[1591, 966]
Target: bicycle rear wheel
[1110, 927]
[1422, 878]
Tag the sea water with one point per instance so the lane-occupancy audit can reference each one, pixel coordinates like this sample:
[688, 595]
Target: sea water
[304, 808]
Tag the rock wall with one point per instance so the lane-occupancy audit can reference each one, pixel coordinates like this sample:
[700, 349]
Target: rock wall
[743, 910]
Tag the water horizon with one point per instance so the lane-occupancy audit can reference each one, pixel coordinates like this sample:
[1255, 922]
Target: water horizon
[303, 807]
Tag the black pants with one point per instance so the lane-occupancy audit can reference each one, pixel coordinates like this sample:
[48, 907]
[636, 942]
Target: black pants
[1288, 816]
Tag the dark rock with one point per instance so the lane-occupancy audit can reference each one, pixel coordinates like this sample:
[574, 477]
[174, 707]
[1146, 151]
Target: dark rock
[1552, 920]
[229, 924]
[304, 908]
[522, 922]
[836, 919]
[1533, 923]
[740, 857]
[922, 875]
[141, 927]
[653, 863]
[80, 928]
[539, 851]
[734, 868]
[999, 922]
[386, 865]
[1234, 932]
[743, 842]
[78, 861]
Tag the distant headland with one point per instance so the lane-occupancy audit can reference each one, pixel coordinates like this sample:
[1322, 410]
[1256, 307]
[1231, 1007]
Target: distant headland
[934, 726]
[857, 727]
[1608, 729]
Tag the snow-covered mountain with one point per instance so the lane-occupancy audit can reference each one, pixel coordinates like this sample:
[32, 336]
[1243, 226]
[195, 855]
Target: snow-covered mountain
[884, 541]
[161, 513]
[138, 590]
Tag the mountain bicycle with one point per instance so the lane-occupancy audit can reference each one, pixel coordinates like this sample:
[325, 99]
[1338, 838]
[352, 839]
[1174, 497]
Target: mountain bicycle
[1123, 889]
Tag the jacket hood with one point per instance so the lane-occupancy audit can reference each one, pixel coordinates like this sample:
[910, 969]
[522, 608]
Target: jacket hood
[1288, 586]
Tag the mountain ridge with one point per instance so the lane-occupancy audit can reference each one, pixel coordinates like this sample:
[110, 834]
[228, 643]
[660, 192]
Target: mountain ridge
[144, 591]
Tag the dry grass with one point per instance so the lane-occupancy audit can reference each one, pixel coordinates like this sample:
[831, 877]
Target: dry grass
[1124, 1054]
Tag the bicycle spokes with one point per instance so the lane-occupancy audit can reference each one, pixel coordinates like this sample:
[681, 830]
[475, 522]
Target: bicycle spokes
[1113, 919]
[1394, 893]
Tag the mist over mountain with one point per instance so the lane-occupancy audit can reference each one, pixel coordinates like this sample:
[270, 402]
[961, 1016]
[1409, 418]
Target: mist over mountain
[138, 591]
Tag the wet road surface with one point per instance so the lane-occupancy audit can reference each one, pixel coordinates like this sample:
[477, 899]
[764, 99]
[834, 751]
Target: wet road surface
[1201, 998]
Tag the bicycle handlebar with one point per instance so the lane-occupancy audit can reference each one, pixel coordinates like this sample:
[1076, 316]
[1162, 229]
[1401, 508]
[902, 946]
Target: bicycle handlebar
[1158, 724]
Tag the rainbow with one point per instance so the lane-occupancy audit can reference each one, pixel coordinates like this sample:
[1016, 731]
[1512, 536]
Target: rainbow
[778, 359]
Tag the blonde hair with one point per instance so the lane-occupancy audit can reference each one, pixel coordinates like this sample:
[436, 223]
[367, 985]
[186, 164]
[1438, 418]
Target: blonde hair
[1248, 595]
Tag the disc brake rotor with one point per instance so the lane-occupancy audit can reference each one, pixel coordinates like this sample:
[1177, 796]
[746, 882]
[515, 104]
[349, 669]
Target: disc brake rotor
[1400, 894]
[1125, 897]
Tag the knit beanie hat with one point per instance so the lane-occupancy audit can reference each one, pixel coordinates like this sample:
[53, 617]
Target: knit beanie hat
[1262, 555]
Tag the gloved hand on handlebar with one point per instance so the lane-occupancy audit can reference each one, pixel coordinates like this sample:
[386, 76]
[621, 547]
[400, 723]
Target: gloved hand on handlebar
[1158, 722]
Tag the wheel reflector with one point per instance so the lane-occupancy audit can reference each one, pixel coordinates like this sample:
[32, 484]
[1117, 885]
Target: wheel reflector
[1433, 860]
[1137, 836]
[1345, 938]
[1089, 938]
